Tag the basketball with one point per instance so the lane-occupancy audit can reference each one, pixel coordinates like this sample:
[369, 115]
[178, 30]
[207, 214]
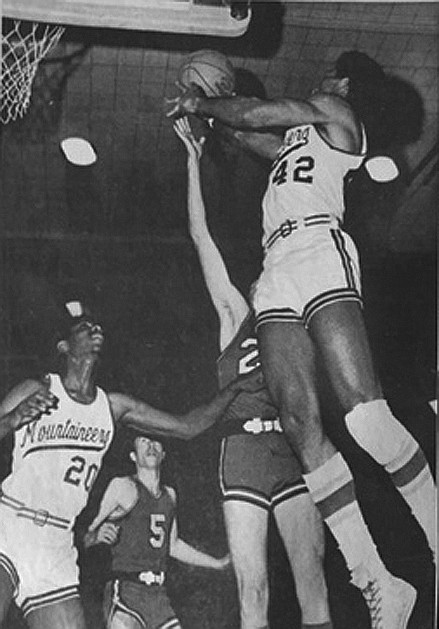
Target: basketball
[210, 70]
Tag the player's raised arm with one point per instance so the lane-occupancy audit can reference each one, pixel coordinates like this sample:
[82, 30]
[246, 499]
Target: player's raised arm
[230, 305]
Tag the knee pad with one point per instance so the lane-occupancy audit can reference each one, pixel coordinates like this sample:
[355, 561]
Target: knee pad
[377, 431]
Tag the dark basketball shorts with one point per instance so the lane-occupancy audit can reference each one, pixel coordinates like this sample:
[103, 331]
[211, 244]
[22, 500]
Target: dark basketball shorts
[149, 605]
[259, 469]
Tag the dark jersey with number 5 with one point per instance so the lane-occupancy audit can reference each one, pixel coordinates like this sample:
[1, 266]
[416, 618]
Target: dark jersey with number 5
[144, 535]
[241, 356]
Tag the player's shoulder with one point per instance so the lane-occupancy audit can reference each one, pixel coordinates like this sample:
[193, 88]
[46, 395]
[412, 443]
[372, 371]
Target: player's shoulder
[22, 390]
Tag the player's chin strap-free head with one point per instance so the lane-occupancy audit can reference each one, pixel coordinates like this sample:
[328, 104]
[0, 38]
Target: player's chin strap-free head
[73, 313]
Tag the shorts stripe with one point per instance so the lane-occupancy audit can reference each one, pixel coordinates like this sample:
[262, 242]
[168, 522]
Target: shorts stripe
[340, 245]
[174, 622]
[9, 567]
[277, 315]
[33, 603]
[245, 495]
[290, 492]
[118, 605]
[329, 297]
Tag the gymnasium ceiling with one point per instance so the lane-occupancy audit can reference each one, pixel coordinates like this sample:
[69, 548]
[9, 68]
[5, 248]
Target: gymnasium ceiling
[109, 86]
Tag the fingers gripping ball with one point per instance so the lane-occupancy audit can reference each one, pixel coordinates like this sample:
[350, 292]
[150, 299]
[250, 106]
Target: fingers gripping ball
[210, 70]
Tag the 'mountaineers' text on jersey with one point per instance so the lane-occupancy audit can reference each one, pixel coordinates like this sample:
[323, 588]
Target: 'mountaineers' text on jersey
[57, 457]
[144, 535]
[241, 356]
[307, 178]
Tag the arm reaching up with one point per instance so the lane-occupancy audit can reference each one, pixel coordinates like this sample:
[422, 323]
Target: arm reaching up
[230, 305]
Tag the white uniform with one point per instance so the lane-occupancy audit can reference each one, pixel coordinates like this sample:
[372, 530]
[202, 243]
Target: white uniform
[55, 461]
[309, 262]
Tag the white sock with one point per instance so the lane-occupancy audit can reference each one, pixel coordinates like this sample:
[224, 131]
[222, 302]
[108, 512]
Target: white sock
[332, 488]
[377, 431]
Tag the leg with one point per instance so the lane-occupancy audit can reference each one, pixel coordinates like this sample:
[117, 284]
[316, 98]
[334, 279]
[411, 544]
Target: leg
[6, 592]
[288, 361]
[340, 334]
[121, 620]
[301, 530]
[246, 526]
[65, 615]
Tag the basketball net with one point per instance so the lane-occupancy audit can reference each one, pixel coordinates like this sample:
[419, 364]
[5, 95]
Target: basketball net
[23, 47]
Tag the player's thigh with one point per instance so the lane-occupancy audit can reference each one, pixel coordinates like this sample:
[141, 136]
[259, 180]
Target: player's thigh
[6, 593]
[301, 529]
[288, 360]
[247, 526]
[121, 620]
[340, 333]
[68, 614]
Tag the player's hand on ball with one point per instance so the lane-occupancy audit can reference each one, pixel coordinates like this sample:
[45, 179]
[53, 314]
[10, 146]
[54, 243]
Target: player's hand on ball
[193, 146]
[33, 407]
[186, 103]
[107, 533]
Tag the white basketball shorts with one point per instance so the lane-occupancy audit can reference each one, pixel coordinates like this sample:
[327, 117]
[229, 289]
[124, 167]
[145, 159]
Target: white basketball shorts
[311, 268]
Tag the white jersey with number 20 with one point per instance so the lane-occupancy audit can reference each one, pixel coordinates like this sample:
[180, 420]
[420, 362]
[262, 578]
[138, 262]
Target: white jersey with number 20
[57, 457]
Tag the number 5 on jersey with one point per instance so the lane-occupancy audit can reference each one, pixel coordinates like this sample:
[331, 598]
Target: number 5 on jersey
[157, 530]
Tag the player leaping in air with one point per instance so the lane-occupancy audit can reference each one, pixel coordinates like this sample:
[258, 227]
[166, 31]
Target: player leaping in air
[308, 307]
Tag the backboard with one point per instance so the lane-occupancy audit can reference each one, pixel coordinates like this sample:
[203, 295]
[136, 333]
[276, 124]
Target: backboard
[200, 17]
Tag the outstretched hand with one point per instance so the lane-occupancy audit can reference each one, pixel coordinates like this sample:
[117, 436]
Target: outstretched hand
[193, 146]
[186, 103]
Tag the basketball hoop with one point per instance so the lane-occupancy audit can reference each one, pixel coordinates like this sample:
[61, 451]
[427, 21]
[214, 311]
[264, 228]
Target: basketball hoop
[23, 47]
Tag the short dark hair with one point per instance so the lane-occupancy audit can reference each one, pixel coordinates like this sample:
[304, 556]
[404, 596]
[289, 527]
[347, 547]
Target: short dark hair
[367, 92]
[358, 67]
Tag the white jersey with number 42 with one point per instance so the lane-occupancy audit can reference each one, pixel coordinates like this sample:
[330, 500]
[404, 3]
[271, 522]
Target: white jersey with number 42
[307, 178]
[57, 457]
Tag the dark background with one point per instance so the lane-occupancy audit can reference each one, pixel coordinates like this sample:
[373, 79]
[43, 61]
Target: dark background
[115, 235]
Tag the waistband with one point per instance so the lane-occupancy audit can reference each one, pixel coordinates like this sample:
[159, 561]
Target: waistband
[289, 226]
[40, 517]
[253, 426]
[146, 577]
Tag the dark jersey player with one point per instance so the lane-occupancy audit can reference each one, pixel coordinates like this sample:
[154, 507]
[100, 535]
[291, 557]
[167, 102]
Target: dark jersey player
[137, 517]
[259, 474]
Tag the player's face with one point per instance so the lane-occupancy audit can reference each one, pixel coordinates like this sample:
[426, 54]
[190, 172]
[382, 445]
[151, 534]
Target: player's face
[149, 453]
[86, 337]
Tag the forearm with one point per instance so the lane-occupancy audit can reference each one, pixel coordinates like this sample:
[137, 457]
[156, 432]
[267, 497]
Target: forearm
[182, 551]
[253, 113]
[8, 424]
[264, 144]
[203, 417]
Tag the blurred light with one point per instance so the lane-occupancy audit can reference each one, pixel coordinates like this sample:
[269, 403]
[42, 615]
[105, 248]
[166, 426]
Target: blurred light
[78, 151]
[382, 168]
